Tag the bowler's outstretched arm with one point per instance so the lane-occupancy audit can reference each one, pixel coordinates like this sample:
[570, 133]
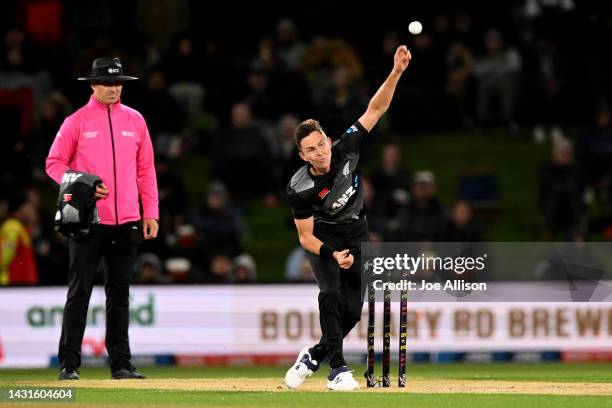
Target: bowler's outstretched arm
[382, 98]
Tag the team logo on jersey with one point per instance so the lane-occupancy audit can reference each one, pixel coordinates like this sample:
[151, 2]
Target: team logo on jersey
[67, 197]
[341, 202]
[70, 177]
[347, 168]
[352, 129]
[323, 193]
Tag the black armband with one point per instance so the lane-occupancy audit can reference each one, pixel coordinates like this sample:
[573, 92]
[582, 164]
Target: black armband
[326, 251]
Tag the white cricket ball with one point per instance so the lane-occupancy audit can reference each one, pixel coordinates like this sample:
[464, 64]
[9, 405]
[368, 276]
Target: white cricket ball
[415, 27]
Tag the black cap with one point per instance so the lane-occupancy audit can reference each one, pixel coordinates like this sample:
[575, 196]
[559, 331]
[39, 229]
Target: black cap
[107, 69]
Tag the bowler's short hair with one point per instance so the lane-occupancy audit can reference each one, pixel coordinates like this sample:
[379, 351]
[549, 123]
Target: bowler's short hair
[304, 129]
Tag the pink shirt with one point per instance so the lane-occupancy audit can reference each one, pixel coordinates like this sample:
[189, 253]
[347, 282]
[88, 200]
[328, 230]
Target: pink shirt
[113, 143]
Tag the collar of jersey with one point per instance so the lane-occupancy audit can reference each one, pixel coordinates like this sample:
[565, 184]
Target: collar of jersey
[97, 105]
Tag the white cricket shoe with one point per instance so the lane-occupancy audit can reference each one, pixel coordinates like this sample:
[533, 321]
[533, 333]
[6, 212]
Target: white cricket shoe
[303, 368]
[341, 379]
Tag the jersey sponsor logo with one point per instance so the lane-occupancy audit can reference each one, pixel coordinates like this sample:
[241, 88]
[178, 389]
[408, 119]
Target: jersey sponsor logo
[89, 135]
[68, 197]
[352, 129]
[70, 177]
[128, 134]
[323, 193]
[341, 202]
[346, 169]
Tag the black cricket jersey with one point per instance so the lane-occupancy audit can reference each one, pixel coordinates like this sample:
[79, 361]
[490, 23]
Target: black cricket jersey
[334, 198]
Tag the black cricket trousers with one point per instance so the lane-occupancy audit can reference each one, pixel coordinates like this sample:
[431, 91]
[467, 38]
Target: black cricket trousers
[341, 292]
[118, 245]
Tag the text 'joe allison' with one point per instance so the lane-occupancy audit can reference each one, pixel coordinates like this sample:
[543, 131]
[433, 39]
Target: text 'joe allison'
[458, 285]
[411, 265]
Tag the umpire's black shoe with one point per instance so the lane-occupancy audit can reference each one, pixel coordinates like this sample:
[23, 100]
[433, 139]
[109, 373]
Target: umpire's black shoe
[69, 374]
[129, 372]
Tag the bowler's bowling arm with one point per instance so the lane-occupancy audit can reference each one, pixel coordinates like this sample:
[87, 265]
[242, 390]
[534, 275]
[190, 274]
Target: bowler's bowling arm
[382, 98]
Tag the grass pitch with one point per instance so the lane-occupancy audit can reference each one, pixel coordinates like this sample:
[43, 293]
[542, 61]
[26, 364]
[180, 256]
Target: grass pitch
[429, 385]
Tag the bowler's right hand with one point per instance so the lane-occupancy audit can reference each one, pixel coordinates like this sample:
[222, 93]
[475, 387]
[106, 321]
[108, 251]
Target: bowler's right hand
[344, 258]
[101, 191]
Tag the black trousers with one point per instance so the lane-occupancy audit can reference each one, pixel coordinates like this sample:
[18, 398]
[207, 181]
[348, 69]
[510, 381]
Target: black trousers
[341, 291]
[117, 244]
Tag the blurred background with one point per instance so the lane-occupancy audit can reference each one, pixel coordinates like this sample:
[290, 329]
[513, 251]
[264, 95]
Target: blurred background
[499, 130]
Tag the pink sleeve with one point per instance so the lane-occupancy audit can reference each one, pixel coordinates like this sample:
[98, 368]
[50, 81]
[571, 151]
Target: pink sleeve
[147, 180]
[62, 150]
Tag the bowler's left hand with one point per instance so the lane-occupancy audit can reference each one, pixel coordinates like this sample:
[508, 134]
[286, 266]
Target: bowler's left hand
[150, 228]
[401, 59]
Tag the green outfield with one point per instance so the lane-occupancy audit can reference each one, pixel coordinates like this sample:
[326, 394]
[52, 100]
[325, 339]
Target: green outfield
[429, 385]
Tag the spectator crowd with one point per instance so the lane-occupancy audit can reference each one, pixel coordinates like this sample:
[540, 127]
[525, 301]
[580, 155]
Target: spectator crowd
[234, 91]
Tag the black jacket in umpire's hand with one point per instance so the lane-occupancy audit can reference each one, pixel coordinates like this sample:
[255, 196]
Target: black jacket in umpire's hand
[76, 204]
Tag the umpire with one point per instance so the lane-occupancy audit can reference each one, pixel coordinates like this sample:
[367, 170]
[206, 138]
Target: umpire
[111, 141]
